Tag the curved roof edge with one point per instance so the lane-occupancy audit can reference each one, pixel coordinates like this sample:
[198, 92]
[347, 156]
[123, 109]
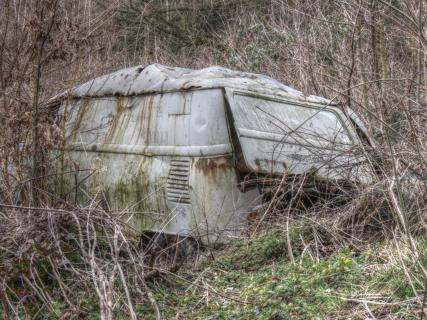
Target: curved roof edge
[159, 78]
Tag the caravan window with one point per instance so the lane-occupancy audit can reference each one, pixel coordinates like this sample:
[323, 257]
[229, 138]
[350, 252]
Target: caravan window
[275, 135]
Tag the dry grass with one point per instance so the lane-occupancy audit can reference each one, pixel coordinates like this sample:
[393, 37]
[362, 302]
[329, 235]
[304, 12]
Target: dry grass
[83, 258]
[367, 54]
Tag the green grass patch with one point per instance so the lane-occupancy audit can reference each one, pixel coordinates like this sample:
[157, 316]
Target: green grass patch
[254, 279]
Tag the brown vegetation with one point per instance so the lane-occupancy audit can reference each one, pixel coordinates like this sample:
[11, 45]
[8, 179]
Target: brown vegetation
[369, 54]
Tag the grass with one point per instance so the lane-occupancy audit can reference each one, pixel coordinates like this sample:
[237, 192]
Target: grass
[254, 279]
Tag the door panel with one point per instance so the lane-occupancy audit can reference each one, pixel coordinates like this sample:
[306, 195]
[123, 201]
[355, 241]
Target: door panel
[275, 135]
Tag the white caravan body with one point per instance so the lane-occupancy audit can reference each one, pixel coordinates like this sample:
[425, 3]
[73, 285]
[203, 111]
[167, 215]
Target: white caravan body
[168, 148]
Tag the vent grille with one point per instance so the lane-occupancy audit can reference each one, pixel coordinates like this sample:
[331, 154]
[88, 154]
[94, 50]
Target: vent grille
[177, 185]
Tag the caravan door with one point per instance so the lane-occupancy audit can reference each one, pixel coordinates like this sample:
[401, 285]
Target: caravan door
[273, 135]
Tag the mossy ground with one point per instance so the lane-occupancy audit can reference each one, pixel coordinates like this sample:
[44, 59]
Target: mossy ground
[255, 279]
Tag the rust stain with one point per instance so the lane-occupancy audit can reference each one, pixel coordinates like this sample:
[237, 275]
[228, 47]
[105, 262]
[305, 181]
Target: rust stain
[140, 123]
[78, 123]
[156, 121]
[148, 119]
[211, 166]
[115, 127]
[119, 106]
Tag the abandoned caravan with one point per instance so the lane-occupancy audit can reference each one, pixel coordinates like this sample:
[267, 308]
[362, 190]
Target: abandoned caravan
[170, 149]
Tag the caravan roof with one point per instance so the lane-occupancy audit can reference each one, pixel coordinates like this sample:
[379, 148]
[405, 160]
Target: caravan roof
[157, 78]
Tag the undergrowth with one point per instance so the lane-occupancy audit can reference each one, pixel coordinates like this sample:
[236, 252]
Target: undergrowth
[252, 278]
[370, 55]
[255, 279]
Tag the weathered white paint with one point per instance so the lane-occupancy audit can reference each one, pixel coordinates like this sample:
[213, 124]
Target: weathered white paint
[278, 134]
[162, 144]
[157, 78]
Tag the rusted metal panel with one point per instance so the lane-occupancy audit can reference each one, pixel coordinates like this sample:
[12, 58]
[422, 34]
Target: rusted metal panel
[220, 208]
